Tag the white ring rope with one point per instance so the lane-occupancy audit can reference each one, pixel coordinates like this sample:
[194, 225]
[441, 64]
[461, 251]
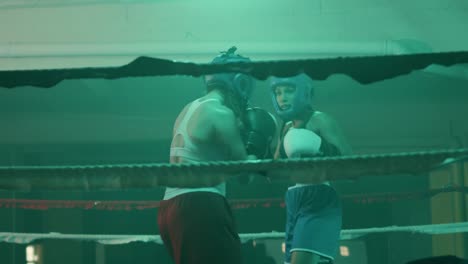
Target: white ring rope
[434, 229]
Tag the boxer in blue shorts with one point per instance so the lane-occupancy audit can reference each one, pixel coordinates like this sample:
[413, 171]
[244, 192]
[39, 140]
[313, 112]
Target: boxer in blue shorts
[314, 213]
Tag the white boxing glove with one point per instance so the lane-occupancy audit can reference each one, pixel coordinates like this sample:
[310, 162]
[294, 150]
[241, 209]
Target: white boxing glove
[301, 142]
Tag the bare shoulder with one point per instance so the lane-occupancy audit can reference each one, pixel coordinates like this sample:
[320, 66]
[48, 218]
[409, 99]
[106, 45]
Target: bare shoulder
[206, 113]
[331, 131]
[321, 119]
[218, 111]
[287, 126]
[318, 115]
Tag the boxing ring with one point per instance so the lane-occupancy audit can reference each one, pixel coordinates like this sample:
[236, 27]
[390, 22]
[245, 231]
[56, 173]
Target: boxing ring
[309, 170]
[141, 176]
[436, 229]
[203, 174]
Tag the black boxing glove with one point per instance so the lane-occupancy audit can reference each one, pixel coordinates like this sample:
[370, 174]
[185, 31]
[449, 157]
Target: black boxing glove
[259, 130]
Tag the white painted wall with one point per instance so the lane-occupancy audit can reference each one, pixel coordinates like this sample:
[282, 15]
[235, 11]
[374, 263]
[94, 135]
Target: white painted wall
[399, 114]
[73, 33]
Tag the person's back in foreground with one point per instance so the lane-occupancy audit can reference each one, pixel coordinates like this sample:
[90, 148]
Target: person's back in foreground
[196, 224]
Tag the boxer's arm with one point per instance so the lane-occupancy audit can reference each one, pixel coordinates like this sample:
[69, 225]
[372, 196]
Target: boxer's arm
[275, 142]
[277, 151]
[281, 132]
[331, 131]
[227, 133]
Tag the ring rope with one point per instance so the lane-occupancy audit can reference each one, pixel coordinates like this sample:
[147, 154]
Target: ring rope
[318, 69]
[132, 205]
[433, 229]
[144, 176]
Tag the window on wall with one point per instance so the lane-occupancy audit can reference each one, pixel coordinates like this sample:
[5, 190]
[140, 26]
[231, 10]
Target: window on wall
[34, 254]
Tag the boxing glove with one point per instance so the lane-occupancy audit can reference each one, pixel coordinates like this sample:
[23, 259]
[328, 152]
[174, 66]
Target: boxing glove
[259, 130]
[301, 142]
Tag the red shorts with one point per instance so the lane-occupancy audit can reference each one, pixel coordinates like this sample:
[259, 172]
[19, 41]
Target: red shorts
[198, 227]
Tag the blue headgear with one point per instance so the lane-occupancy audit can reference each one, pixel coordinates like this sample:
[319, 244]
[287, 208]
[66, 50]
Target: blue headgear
[241, 84]
[304, 93]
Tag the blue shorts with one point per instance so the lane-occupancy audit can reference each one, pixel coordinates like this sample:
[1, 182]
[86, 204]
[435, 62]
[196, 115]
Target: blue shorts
[313, 220]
